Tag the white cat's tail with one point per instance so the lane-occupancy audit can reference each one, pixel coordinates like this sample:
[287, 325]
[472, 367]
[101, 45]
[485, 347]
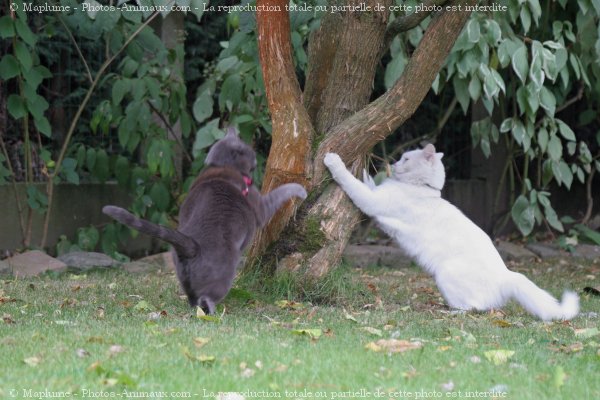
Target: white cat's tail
[540, 303]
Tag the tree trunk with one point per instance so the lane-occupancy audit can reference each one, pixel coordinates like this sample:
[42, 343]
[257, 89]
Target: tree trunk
[343, 56]
[289, 156]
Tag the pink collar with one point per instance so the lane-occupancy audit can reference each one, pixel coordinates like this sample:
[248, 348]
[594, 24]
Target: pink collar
[248, 182]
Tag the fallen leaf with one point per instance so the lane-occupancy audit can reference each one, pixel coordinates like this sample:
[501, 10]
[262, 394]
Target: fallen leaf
[475, 359]
[202, 358]
[142, 306]
[8, 319]
[209, 318]
[205, 358]
[349, 317]
[247, 373]
[200, 341]
[82, 353]
[289, 305]
[115, 349]
[311, 333]
[444, 348]
[96, 367]
[32, 361]
[258, 364]
[586, 333]
[372, 331]
[200, 312]
[100, 312]
[393, 345]
[280, 367]
[502, 323]
[559, 377]
[571, 348]
[95, 339]
[460, 335]
[498, 357]
[448, 386]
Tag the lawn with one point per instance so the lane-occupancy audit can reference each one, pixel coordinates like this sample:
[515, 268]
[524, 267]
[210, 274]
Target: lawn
[374, 333]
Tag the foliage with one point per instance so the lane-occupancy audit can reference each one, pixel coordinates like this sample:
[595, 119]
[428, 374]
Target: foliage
[233, 92]
[144, 100]
[524, 66]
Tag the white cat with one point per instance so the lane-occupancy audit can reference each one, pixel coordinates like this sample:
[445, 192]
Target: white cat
[462, 259]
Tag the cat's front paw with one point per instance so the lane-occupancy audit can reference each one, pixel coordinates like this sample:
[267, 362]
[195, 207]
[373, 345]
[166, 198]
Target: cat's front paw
[333, 161]
[297, 190]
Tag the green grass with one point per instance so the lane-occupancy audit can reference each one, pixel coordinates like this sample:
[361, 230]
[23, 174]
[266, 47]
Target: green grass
[111, 332]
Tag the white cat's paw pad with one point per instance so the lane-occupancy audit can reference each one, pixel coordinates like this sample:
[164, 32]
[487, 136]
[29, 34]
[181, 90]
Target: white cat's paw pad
[332, 159]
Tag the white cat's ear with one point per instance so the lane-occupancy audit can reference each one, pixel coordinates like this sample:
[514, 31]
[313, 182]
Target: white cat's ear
[439, 155]
[429, 152]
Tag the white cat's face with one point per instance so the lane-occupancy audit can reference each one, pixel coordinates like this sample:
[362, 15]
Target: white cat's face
[421, 168]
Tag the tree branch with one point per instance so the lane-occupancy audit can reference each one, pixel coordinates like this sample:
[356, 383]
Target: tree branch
[356, 135]
[407, 22]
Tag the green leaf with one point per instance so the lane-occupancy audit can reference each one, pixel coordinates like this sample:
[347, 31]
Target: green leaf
[43, 125]
[90, 159]
[542, 138]
[562, 173]
[122, 170]
[23, 55]
[525, 19]
[25, 33]
[231, 92]
[101, 167]
[474, 88]
[7, 27]
[88, 238]
[311, 333]
[565, 130]
[9, 67]
[203, 107]
[119, 89]
[462, 92]
[590, 234]
[555, 148]
[206, 136]
[37, 105]
[518, 131]
[520, 64]
[197, 7]
[547, 101]
[394, 70]
[473, 31]
[523, 215]
[226, 64]
[160, 196]
[16, 106]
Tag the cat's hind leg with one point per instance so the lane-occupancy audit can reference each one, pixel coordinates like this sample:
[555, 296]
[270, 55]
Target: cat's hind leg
[207, 305]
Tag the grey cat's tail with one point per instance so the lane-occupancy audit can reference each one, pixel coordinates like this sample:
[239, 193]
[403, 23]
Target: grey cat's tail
[184, 245]
[540, 303]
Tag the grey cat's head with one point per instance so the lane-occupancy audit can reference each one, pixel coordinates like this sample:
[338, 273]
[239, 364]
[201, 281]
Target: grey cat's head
[231, 151]
[421, 167]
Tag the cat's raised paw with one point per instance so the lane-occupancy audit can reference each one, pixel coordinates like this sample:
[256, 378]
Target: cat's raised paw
[298, 191]
[333, 160]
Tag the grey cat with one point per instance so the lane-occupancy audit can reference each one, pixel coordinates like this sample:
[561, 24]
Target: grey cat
[217, 221]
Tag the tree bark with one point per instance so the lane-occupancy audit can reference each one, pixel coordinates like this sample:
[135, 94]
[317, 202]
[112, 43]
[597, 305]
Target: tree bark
[343, 56]
[289, 156]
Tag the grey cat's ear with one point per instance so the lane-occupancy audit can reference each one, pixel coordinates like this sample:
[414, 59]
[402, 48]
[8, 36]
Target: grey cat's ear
[231, 132]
